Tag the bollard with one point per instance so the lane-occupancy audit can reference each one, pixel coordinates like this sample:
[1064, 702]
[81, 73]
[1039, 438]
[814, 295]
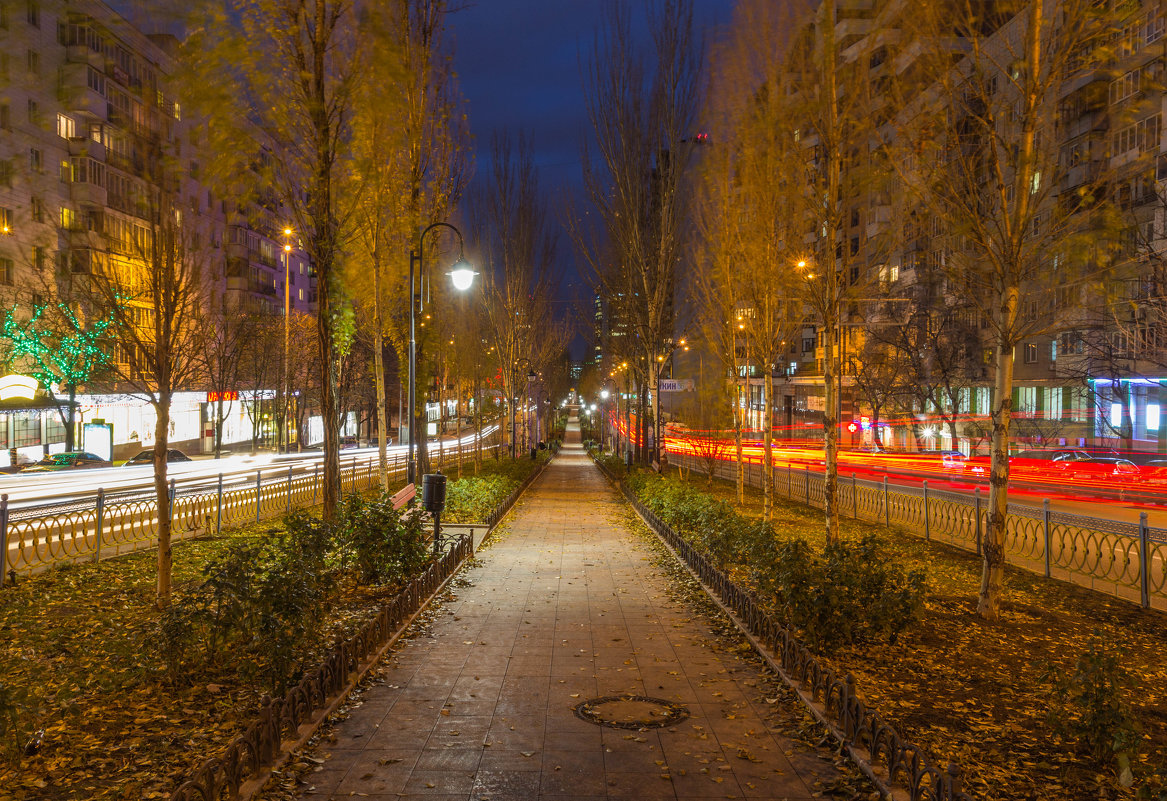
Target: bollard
[219, 509]
[3, 537]
[977, 516]
[258, 489]
[289, 504]
[98, 523]
[1045, 532]
[886, 505]
[1144, 558]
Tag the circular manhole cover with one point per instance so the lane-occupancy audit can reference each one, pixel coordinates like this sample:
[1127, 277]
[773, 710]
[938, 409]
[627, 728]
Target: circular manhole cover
[631, 712]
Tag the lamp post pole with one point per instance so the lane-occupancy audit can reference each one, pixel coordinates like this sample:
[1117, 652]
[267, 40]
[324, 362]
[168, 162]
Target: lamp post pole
[287, 437]
[463, 276]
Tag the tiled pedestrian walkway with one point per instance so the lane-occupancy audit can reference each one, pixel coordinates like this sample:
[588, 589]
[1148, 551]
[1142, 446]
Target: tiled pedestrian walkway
[566, 607]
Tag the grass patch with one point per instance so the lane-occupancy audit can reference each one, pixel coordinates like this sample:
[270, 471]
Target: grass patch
[1018, 703]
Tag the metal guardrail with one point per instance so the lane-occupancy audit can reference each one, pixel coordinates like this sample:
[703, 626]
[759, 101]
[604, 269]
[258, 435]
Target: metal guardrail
[111, 525]
[832, 698]
[1122, 559]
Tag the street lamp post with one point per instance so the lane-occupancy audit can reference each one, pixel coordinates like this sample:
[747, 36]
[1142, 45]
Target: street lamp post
[462, 277]
[287, 435]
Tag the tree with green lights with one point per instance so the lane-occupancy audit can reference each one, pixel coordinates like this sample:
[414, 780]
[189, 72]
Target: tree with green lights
[62, 348]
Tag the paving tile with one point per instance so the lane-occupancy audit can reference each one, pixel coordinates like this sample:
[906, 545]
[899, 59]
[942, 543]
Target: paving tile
[564, 607]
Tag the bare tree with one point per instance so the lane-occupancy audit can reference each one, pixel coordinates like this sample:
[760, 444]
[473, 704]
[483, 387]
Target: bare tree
[516, 247]
[982, 155]
[641, 117]
[153, 286]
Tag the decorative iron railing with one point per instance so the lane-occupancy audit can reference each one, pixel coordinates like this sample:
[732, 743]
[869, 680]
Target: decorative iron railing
[1127, 560]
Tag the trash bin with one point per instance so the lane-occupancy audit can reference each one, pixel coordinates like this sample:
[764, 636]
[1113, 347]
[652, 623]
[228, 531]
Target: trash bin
[433, 492]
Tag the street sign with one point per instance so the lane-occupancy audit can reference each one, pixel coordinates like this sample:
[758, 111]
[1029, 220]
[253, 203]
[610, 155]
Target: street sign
[676, 385]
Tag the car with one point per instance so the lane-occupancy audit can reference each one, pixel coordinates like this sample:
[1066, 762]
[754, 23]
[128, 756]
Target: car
[70, 460]
[147, 457]
[1100, 467]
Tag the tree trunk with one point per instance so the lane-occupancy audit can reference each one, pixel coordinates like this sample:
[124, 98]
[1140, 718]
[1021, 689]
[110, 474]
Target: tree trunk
[458, 428]
[831, 438]
[993, 546]
[768, 449]
[71, 423]
[379, 373]
[738, 424]
[162, 498]
[218, 428]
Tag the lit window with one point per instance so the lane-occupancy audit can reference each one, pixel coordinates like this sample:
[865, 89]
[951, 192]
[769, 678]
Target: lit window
[1116, 415]
[66, 127]
[1153, 417]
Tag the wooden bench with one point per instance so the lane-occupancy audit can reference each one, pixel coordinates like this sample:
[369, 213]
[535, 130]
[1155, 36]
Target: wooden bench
[403, 496]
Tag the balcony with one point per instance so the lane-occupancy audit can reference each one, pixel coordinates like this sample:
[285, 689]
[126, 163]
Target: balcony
[86, 146]
[83, 54]
[87, 194]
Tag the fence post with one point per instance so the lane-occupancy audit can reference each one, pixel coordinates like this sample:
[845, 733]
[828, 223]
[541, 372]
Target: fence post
[927, 520]
[886, 505]
[3, 537]
[790, 481]
[219, 509]
[289, 505]
[315, 481]
[854, 496]
[1045, 530]
[1144, 559]
[258, 489]
[808, 485]
[98, 523]
[170, 502]
[977, 516]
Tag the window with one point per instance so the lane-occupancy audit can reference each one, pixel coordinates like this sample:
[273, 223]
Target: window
[66, 127]
[1031, 353]
[6, 173]
[33, 13]
[36, 161]
[4, 15]
[807, 345]
[34, 62]
[27, 428]
[6, 270]
[36, 209]
[1053, 350]
[38, 257]
[34, 113]
[1152, 417]
[1143, 135]
[5, 117]
[1027, 401]
[5, 221]
[1053, 403]
[68, 218]
[96, 81]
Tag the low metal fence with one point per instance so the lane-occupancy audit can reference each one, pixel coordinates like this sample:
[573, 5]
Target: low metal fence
[832, 698]
[32, 540]
[1127, 560]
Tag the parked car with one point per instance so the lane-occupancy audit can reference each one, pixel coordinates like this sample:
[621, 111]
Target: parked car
[147, 457]
[1056, 455]
[70, 460]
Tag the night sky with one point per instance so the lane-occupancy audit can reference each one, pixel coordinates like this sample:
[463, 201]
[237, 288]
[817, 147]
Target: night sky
[519, 65]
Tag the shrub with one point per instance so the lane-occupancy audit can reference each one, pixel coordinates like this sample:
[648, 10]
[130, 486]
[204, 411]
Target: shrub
[1090, 707]
[472, 499]
[262, 601]
[378, 542]
[850, 594]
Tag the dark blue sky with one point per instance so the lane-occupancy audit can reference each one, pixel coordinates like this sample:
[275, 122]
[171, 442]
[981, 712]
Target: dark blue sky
[519, 66]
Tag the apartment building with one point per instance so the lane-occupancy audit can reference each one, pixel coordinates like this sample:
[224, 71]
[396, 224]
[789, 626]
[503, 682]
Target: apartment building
[1092, 370]
[85, 117]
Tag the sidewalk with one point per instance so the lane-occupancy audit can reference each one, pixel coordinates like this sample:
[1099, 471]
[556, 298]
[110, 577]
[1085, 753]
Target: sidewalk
[566, 607]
